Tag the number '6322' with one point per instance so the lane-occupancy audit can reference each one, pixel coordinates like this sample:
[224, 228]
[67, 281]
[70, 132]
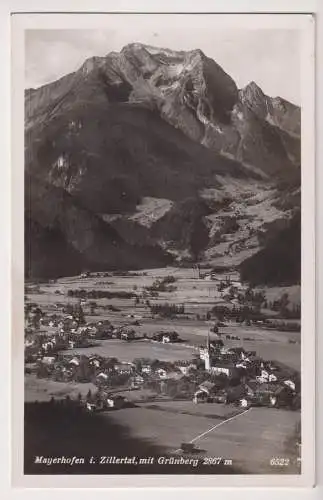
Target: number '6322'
[280, 462]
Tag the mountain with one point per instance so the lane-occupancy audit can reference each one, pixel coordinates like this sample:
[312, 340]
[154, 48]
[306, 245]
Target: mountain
[148, 153]
[63, 238]
[279, 262]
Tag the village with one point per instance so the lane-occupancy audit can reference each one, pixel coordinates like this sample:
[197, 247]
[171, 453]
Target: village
[62, 345]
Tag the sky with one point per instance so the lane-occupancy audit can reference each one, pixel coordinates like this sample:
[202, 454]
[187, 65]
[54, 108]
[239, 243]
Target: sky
[270, 57]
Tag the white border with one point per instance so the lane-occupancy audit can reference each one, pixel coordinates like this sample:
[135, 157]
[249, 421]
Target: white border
[308, 201]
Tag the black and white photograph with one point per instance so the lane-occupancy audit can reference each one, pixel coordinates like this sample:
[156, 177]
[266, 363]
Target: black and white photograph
[163, 211]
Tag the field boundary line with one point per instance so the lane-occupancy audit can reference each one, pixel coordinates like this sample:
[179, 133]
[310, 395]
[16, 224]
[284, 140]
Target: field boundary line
[215, 427]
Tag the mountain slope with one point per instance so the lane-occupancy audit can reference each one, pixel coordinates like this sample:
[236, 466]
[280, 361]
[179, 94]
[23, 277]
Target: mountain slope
[61, 237]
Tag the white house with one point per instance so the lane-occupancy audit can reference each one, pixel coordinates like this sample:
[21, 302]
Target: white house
[123, 367]
[227, 369]
[116, 401]
[74, 361]
[161, 372]
[268, 375]
[185, 369]
[290, 384]
[48, 360]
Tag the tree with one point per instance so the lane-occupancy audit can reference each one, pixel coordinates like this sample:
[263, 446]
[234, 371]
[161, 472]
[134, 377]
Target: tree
[199, 239]
[93, 305]
[284, 301]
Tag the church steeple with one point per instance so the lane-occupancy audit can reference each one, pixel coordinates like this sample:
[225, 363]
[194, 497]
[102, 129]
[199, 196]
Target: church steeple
[207, 359]
[208, 341]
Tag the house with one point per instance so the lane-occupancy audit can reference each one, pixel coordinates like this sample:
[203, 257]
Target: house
[48, 360]
[94, 362]
[47, 346]
[165, 337]
[186, 368]
[203, 353]
[205, 391]
[116, 401]
[161, 372]
[249, 355]
[146, 369]
[268, 375]
[267, 394]
[291, 384]
[237, 350]
[208, 387]
[286, 378]
[174, 375]
[137, 380]
[230, 357]
[128, 335]
[170, 337]
[242, 364]
[91, 407]
[253, 363]
[216, 344]
[124, 368]
[102, 377]
[228, 369]
[29, 343]
[236, 393]
[74, 361]
[98, 405]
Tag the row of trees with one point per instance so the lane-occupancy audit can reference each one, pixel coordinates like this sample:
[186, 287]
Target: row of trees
[167, 310]
[163, 285]
[100, 294]
[257, 299]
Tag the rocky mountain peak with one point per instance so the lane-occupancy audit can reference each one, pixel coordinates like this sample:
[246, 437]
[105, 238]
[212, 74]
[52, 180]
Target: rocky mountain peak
[253, 97]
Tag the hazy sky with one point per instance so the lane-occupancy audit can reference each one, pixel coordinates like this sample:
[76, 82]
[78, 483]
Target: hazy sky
[270, 57]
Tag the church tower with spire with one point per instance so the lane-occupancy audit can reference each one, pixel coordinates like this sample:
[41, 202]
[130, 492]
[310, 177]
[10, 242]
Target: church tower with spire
[207, 358]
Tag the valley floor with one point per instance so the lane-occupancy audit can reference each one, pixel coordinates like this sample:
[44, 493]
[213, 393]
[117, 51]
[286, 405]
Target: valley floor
[250, 439]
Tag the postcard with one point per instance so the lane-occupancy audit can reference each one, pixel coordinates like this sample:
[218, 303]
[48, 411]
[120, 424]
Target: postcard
[163, 256]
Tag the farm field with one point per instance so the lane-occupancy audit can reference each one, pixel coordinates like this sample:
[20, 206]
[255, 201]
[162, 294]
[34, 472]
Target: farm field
[198, 296]
[250, 439]
[127, 351]
[43, 389]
